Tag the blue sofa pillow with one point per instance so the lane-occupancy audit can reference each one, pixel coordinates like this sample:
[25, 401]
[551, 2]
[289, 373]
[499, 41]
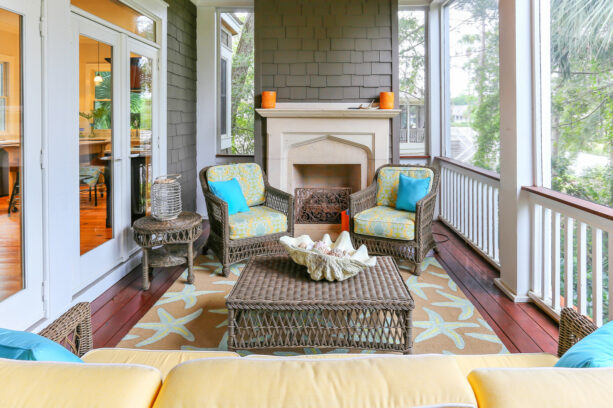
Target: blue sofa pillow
[594, 350]
[18, 345]
[230, 191]
[410, 191]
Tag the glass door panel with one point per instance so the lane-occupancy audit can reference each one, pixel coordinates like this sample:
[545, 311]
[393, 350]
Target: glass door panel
[141, 133]
[21, 231]
[11, 172]
[95, 143]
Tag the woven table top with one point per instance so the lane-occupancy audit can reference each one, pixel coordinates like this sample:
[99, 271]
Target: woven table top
[184, 221]
[277, 282]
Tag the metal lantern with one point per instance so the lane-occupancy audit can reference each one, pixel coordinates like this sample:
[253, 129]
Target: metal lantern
[166, 197]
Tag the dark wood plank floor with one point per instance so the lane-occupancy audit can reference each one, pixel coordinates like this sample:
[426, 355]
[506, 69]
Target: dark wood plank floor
[522, 327]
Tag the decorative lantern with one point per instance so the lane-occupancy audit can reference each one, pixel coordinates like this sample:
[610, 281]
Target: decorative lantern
[166, 197]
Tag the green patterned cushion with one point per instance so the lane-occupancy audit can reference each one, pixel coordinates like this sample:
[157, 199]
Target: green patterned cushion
[386, 222]
[387, 182]
[261, 220]
[249, 176]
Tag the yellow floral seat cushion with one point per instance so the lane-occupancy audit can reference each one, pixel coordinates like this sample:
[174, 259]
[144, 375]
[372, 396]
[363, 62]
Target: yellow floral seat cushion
[259, 221]
[385, 222]
[249, 176]
[388, 179]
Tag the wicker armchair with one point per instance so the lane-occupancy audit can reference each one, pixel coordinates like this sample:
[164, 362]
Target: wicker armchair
[73, 329]
[573, 327]
[414, 250]
[230, 251]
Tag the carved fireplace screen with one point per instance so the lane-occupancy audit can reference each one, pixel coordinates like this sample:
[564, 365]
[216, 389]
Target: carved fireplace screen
[321, 205]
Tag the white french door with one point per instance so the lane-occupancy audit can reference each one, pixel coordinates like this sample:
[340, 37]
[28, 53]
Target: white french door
[100, 175]
[118, 137]
[21, 198]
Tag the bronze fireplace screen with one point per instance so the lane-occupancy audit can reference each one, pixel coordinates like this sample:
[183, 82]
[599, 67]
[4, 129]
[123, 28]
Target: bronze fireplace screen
[320, 205]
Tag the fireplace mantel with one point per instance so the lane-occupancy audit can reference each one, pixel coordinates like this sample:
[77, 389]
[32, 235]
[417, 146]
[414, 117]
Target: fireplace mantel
[327, 112]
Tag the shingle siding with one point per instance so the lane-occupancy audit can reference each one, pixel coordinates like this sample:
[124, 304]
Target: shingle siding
[324, 50]
[182, 97]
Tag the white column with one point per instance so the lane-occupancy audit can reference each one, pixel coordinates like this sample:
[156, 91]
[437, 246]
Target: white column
[516, 147]
[206, 108]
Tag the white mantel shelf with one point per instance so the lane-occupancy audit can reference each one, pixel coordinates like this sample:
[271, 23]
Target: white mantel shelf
[328, 113]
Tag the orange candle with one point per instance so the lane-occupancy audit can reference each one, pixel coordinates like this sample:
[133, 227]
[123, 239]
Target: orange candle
[386, 100]
[269, 99]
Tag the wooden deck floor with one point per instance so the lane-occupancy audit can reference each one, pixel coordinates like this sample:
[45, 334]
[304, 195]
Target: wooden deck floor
[522, 327]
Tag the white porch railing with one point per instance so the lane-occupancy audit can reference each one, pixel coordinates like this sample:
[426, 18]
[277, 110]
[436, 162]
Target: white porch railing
[469, 205]
[569, 238]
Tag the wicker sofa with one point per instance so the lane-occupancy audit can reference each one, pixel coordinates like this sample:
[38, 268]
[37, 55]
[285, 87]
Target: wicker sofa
[264, 201]
[162, 379]
[372, 214]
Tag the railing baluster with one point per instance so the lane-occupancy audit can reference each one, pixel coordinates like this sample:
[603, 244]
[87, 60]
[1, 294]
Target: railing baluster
[546, 254]
[569, 263]
[610, 239]
[536, 249]
[555, 261]
[582, 268]
[597, 275]
[496, 226]
[483, 213]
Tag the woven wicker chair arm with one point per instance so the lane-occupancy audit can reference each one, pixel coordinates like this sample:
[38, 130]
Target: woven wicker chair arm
[573, 327]
[73, 329]
[424, 213]
[363, 200]
[278, 200]
[218, 214]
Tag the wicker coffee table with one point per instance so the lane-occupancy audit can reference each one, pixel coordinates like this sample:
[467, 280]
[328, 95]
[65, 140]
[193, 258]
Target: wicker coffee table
[274, 304]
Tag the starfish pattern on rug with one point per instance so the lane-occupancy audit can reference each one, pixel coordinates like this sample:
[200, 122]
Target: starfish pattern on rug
[188, 295]
[436, 326]
[222, 346]
[220, 311]
[168, 324]
[416, 287]
[452, 285]
[467, 309]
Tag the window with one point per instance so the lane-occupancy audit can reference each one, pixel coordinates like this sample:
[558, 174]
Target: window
[121, 15]
[576, 74]
[412, 69]
[472, 79]
[3, 94]
[236, 111]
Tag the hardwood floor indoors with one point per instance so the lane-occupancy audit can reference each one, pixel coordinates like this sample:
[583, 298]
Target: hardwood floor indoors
[522, 327]
[11, 279]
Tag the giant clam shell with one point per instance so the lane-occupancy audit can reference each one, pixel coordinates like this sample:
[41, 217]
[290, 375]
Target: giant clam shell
[321, 266]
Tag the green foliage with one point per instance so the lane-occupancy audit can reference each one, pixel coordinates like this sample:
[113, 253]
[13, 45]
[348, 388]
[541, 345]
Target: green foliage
[243, 113]
[411, 54]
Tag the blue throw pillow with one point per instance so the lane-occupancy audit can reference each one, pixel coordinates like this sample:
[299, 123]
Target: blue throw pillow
[19, 345]
[410, 191]
[594, 350]
[230, 191]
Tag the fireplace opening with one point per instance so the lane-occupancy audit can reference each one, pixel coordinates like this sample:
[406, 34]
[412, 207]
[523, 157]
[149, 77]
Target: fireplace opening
[322, 191]
[328, 175]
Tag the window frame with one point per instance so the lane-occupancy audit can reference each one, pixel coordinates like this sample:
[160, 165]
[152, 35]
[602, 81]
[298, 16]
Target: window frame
[405, 148]
[4, 93]
[222, 51]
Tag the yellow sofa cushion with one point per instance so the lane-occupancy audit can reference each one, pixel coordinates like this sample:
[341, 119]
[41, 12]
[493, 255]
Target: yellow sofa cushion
[379, 381]
[259, 221]
[543, 387]
[387, 182]
[467, 363]
[34, 384]
[249, 176]
[163, 360]
[386, 222]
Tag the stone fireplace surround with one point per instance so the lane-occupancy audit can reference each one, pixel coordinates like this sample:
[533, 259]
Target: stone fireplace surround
[325, 145]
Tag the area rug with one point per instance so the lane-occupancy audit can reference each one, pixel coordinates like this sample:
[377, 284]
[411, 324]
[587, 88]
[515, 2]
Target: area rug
[194, 317]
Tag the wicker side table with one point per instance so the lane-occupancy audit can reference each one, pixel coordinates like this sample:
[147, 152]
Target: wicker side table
[175, 239]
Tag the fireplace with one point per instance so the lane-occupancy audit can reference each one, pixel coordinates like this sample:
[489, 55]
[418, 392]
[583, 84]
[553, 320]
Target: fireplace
[324, 146]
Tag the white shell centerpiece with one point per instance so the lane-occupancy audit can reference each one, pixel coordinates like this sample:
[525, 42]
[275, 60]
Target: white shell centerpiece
[333, 261]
